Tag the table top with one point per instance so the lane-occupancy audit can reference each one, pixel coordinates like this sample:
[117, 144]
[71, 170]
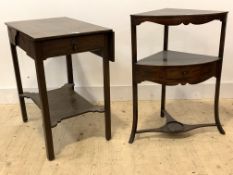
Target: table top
[40, 29]
[169, 12]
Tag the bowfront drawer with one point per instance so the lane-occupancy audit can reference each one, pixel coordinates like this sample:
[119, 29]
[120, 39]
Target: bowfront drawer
[176, 74]
[190, 74]
[57, 47]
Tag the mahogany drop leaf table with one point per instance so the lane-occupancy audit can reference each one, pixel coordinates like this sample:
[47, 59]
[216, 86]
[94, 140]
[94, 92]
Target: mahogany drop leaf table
[45, 38]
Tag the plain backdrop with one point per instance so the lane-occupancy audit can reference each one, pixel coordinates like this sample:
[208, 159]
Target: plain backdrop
[203, 39]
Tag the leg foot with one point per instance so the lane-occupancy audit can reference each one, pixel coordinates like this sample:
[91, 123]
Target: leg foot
[217, 120]
[163, 100]
[23, 109]
[135, 112]
[216, 106]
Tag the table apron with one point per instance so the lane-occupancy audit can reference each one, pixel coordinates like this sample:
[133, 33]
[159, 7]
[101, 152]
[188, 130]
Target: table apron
[57, 47]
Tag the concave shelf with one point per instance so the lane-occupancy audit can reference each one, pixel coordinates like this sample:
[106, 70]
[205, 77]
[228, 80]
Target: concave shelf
[64, 103]
[173, 58]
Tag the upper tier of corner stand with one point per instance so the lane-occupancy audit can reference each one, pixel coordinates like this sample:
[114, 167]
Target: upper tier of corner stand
[171, 16]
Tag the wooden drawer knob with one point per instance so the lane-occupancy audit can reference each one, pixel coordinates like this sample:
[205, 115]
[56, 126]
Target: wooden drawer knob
[75, 47]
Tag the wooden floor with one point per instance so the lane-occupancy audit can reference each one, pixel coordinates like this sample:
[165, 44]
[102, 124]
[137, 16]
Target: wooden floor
[81, 148]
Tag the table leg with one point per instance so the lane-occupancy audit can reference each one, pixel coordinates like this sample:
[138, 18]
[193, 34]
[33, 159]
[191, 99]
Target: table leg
[107, 99]
[19, 83]
[69, 69]
[163, 100]
[134, 82]
[45, 108]
[135, 112]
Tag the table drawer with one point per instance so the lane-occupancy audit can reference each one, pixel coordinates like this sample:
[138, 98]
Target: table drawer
[57, 47]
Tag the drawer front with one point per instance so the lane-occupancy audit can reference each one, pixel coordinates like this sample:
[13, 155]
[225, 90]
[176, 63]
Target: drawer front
[175, 74]
[148, 73]
[57, 47]
[190, 74]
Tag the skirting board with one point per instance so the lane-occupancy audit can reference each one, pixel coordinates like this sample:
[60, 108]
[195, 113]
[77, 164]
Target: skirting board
[146, 92]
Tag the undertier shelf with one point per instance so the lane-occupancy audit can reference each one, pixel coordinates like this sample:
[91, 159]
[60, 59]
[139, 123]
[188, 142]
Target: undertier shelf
[64, 103]
[173, 126]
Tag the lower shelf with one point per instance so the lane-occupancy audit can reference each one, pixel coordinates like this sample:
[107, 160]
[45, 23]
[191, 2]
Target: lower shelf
[64, 103]
[173, 126]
